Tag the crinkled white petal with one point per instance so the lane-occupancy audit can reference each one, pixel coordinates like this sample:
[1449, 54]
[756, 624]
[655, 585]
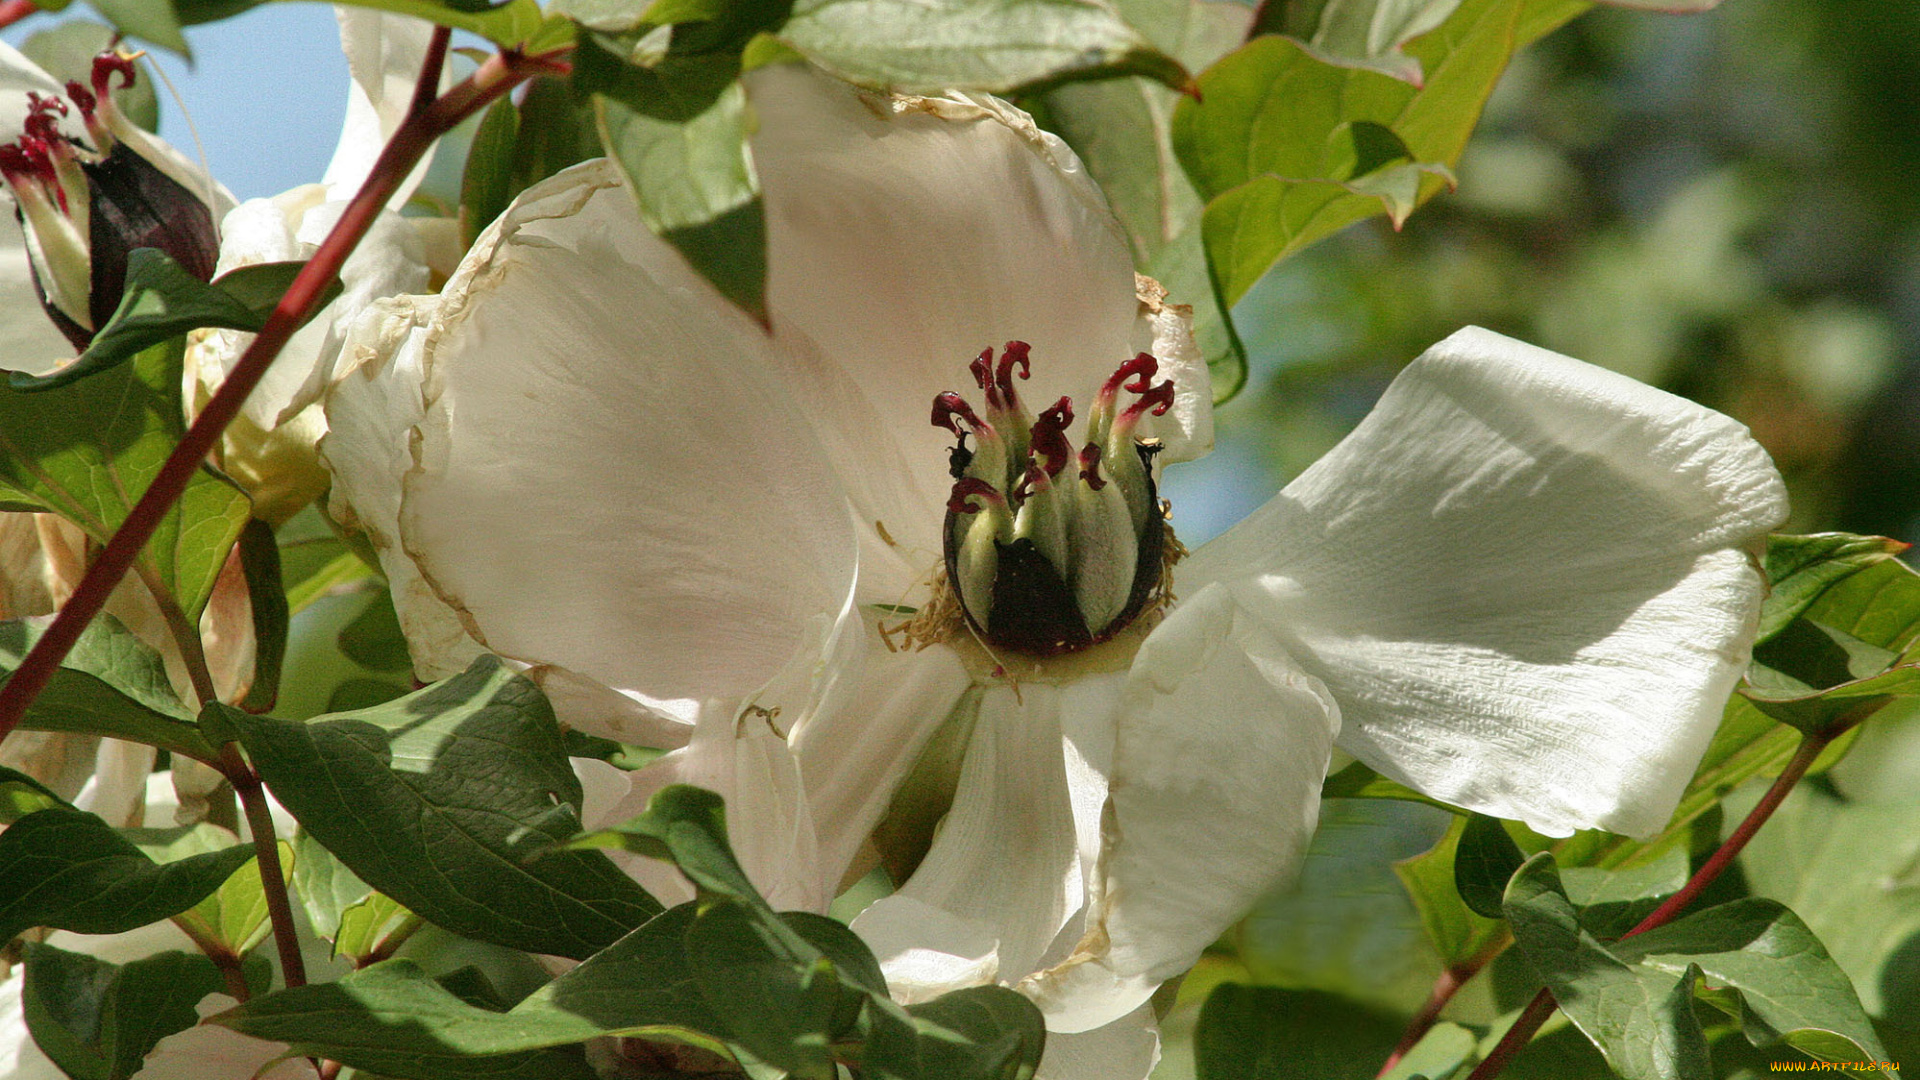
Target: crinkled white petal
[1005, 864]
[1524, 578]
[905, 236]
[604, 479]
[371, 412]
[384, 55]
[856, 749]
[1221, 747]
[212, 1052]
[1126, 1049]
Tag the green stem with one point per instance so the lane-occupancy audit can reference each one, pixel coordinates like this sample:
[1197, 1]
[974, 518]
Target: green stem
[426, 123]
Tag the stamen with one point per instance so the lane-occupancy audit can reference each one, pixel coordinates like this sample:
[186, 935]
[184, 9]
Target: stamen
[1048, 438]
[969, 488]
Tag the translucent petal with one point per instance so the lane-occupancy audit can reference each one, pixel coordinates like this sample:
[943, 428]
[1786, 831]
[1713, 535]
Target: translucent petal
[1525, 579]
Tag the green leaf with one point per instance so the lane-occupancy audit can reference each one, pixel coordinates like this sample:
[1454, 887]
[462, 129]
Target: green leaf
[1120, 127]
[1356, 781]
[1369, 33]
[21, 795]
[109, 684]
[1792, 990]
[979, 1033]
[1613, 901]
[639, 985]
[1271, 144]
[1000, 46]
[96, 1020]
[511, 23]
[1484, 859]
[441, 799]
[163, 301]
[1789, 679]
[785, 1008]
[1800, 568]
[486, 187]
[88, 451]
[324, 884]
[1439, 1053]
[374, 926]
[68, 869]
[1267, 1033]
[156, 23]
[692, 181]
[392, 1019]
[1640, 1018]
[686, 826]
[235, 915]
[1457, 932]
[267, 597]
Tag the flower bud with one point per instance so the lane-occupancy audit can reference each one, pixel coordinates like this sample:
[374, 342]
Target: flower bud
[86, 207]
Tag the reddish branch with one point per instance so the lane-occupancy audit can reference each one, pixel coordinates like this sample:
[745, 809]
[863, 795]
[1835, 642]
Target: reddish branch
[12, 11]
[430, 118]
[1543, 1005]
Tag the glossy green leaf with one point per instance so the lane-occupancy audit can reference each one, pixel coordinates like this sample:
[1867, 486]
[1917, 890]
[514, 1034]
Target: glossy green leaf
[1369, 33]
[392, 1019]
[96, 1020]
[1641, 1018]
[1800, 568]
[1269, 1033]
[1456, 931]
[163, 301]
[486, 187]
[979, 1033]
[89, 450]
[1356, 781]
[68, 869]
[785, 1008]
[325, 886]
[686, 826]
[996, 45]
[1613, 901]
[1270, 144]
[267, 598]
[1484, 859]
[1439, 1054]
[1790, 988]
[109, 684]
[1120, 129]
[639, 985]
[445, 800]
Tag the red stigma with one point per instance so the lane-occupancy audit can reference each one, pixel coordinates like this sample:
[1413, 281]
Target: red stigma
[105, 67]
[1140, 369]
[966, 490]
[1014, 354]
[1049, 437]
[1157, 400]
[950, 410]
[82, 97]
[1090, 466]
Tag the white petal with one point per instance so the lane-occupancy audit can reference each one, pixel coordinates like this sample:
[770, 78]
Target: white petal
[1126, 1049]
[117, 791]
[1525, 580]
[856, 750]
[28, 340]
[371, 413]
[384, 56]
[905, 236]
[1222, 744]
[1004, 865]
[602, 479]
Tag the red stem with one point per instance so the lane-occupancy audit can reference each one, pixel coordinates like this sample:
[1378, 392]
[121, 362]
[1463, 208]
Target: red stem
[499, 74]
[1447, 985]
[1543, 1004]
[266, 849]
[12, 11]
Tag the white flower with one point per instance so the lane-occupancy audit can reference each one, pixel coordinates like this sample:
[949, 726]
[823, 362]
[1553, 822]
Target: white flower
[1522, 585]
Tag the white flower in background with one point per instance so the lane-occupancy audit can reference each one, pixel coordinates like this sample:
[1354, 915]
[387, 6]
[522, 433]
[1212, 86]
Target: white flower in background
[1522, 585]
[172, 204]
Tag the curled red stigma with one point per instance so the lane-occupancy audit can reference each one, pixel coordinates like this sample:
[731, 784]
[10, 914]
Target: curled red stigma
[1140, 369]
[105, 67]
[967, 490]
[1015, 354]
[950, 410]
[1090, 466]
[1157, 400]
[82, 97]
[1048, 437]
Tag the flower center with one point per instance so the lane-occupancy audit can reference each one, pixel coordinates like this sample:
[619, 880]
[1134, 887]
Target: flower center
[1050, 551]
